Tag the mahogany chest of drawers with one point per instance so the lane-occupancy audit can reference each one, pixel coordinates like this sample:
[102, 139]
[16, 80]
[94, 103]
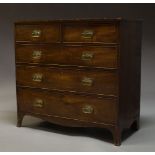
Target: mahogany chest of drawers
[80, 73]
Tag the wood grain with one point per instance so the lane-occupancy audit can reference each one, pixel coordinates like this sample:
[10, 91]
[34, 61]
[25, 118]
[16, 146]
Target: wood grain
[49, 33]
[85, 65]
[106, 33]
[102, 56]
[68, 105]
[67, 79]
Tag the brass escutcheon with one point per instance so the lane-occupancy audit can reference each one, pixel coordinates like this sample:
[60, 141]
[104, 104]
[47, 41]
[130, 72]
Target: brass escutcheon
[87, 109]
[36, 54]
[36, 33]
[87, 56]
[87, 81]
[38, 103]
[87, 34]
[37, 77]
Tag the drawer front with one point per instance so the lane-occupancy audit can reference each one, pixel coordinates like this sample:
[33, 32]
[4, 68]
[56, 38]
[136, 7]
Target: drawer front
[94, 56]
[105, 33]
[96, 82]
[38, 33]
[71, 106]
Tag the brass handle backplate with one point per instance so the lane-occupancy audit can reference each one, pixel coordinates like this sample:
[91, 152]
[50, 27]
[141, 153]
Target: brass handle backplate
[87, 34]
[87, 81]
[87, 109]
[86, 56]
[37, 77]
[36, 54]
[36, 33]
[38, 103]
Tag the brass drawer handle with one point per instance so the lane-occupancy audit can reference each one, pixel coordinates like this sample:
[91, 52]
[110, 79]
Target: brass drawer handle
[87, 109]
[87, 81]
[36, 54]
[86, 56]
[36, 33]
[38, 103]
[87, 34]
[37, 77]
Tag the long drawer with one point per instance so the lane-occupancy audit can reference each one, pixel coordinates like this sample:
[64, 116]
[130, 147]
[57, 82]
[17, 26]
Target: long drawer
[78, 80]
[85, 108]
[93, 56]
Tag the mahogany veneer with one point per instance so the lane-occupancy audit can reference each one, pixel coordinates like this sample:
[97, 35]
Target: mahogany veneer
[80, 73]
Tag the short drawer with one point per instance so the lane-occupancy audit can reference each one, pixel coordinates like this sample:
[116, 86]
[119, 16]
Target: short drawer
[71, 106]
[38, 33]
[78, 80]
[104, 33]
[93, 56]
